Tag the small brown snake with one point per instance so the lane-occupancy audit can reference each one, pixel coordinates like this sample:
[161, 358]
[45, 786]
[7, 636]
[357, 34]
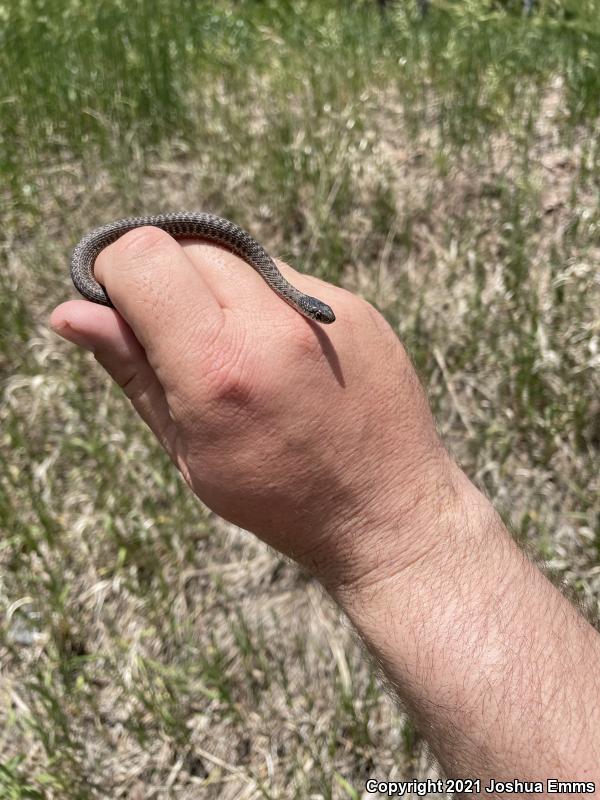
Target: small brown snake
[184, 225]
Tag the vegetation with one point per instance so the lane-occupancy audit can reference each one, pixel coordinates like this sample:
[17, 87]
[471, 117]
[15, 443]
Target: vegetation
[447, 169]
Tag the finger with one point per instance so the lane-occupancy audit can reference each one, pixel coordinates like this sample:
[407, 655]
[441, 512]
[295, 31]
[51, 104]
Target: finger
[238, 286]
[104, 332]
[235, 284]
[162, 296]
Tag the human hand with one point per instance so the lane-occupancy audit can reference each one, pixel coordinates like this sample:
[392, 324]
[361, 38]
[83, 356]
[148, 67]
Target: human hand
[316, 439]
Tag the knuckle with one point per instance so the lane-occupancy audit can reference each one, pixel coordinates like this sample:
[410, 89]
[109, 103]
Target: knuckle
[374, 316]
[139, 245]
[136, 385]
[228, 384]
[305, 341]
[228, 376]
[369, 315]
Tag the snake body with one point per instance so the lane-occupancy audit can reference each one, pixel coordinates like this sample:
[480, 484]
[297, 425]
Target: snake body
[185, 225]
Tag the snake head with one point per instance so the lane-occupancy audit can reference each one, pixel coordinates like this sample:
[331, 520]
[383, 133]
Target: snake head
[315, 309]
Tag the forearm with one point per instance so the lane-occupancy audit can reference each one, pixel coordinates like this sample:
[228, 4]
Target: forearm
[497, 667]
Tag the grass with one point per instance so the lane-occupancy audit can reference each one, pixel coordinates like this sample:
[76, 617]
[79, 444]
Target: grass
[447, 169]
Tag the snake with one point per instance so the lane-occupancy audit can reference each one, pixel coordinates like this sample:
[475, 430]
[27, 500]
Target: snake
[191, 225]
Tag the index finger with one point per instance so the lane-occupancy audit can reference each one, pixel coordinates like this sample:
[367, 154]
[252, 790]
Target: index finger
[163, 297]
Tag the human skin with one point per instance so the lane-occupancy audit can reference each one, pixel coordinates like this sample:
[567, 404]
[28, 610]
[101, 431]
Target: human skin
[320, 440]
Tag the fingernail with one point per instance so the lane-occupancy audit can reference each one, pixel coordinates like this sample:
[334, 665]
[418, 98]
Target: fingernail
[71, 334]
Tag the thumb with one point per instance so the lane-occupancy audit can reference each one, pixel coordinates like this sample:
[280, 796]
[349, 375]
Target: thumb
[106, 334]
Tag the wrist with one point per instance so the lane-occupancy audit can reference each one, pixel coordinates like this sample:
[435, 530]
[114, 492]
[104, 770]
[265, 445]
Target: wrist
[448, 537]
[452, 537]
[405, 530]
